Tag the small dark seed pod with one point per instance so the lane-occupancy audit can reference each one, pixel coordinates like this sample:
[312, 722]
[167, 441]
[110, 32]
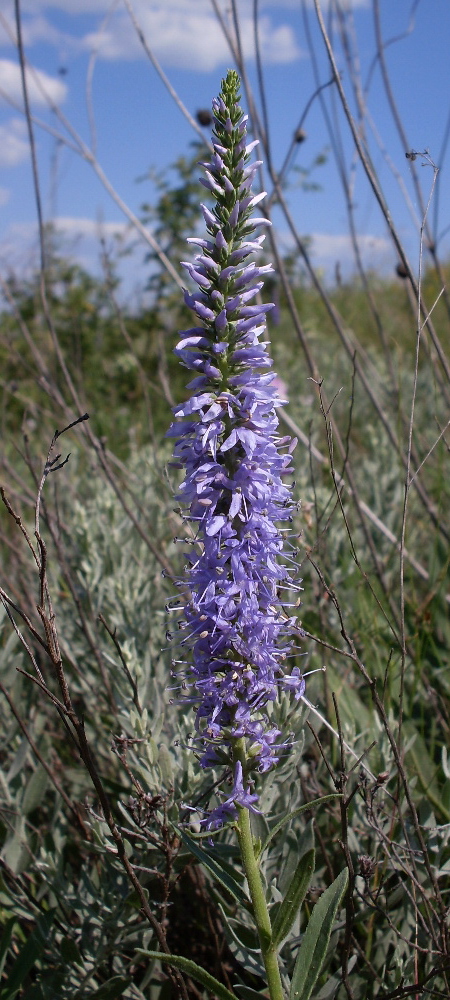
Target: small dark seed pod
[204, 117]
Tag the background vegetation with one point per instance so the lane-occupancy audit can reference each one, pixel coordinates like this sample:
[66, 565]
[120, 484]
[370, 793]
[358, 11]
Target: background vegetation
[96, 768]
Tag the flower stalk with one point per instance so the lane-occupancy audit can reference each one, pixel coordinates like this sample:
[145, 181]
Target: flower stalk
[256, 889]
[240, 574]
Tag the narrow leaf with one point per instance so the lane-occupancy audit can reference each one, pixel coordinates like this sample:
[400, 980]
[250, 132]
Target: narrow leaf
[206, 834]
[5, 939]
[30, 951]
[316, 939]
[165, 765]
[243, 945]
[34, 792]
[296, 812]
[70, 952]
[294, 897]
[194, 971]
[333, 983]
[215, 868]
[14, 851]
[112, 989]
[19, 760]
[35, 992]
[422, 764]
[248, 994]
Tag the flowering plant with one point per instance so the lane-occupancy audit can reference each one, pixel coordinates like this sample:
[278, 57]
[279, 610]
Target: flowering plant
[237, 635]
[95, 858]
[235, 628]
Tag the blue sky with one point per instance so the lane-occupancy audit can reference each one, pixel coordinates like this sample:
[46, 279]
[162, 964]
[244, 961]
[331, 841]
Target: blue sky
[138, 126]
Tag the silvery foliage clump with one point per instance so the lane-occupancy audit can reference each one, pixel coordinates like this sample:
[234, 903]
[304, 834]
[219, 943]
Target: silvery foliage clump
[115, 573]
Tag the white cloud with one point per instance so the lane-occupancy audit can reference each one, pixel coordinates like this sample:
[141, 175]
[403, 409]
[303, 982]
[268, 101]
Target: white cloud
[14, 146]
[40, 29]
[41, 87]
[90, 228]
[331, 249]
[34, 29]
[19, 249]
[189, 36]
[340, 244]
[79, 241]
[183, 33]
[278, 45]
[78, 232]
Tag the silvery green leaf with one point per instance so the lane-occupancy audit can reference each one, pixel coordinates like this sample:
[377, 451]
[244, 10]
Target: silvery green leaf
[165, 765]
[294, 897]
[195, 971]
[316, 938]
[247, 952]
[19, 760]
[28, 954]
[112, 989]
[329, 990]
[216, 868]
[296, 812]
[34, 792]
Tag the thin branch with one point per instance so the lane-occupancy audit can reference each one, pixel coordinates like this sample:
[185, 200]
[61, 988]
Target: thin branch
[408, 479]
[373, 181]
[130, 678]
[54, 780]
[157, 66]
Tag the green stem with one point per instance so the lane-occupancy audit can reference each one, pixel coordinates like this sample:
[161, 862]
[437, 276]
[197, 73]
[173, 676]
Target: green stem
[256, 888]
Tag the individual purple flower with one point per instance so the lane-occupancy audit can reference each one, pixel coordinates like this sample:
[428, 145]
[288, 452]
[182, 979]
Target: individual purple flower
[234, 624]
[239, 796]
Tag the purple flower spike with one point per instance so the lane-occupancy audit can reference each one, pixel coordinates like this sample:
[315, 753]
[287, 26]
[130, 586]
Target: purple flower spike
[234, 628]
